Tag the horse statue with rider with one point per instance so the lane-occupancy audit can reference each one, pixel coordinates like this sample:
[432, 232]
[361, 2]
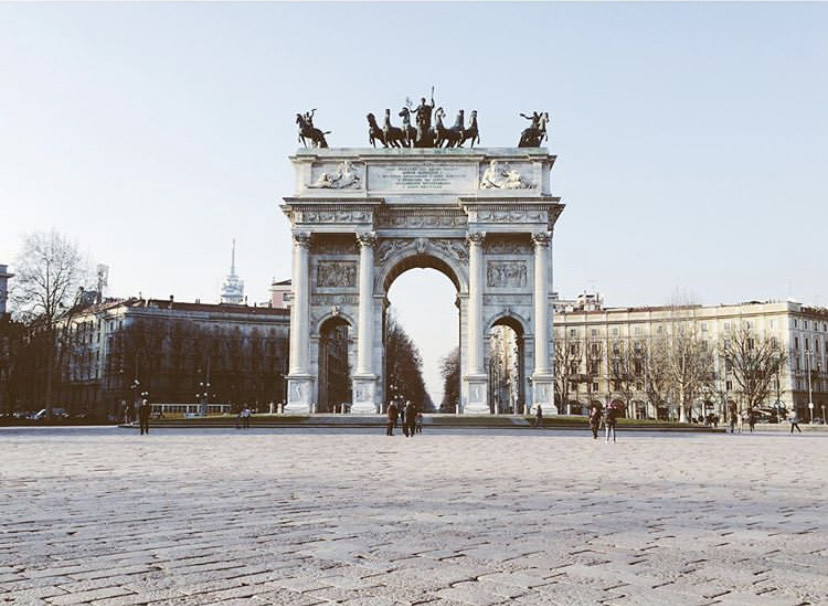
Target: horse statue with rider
[308, 132]
[536, 133]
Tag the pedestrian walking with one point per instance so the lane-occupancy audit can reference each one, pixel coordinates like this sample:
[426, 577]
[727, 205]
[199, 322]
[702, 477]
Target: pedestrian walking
[751, 418]
[393, 413]
[129, 414]
[795, 421]
[610, 421]
[144, 416]
[734, 414]
[245, 417]
[418, 422]
[595, 416]
[410, 419]
[538, 421]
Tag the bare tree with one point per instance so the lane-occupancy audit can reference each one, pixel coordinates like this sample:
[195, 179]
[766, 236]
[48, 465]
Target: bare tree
[689, 359]
[565, 366]
[49, 274]
[755, 361]
[45, 296]
[450, 370]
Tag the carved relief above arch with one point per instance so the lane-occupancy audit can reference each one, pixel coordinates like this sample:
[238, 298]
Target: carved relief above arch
[396, 255]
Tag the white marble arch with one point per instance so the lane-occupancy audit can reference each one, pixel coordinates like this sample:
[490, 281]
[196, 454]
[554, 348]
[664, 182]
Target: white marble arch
[421, 208]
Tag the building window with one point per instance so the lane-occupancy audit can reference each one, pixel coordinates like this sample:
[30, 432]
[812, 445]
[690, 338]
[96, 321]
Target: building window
[594, 387]
[728, 385]
[704, 327]
[573, 333]
[637, 330]
[796, 342]
[795, 322]
[593, 332]
[773, 324]
[615, 332]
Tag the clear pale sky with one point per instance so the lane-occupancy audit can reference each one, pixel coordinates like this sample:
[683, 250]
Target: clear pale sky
[692, 138]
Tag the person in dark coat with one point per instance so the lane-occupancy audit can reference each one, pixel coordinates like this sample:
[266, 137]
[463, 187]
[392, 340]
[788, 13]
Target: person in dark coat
[393, 413]
[410, 419]
[595, 416]
[538, 422]
[144, 416]
[610, 421]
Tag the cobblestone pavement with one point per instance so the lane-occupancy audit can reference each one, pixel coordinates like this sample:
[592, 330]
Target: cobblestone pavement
[453, 517]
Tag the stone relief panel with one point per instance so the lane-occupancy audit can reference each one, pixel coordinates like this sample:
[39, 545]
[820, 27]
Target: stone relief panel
[332, 216]
[510, 299]
[334, 244]
[389, 247]
[500, 175]
[455, 248]
[510, 216]
[426, 220]
[334, 300]
[497, 244]
[337, 274]
[344, 176]
[506, 274]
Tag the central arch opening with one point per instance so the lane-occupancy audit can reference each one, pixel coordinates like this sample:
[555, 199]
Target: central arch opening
[422, 305]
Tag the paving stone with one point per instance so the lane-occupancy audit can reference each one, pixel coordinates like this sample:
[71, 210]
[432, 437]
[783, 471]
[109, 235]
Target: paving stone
[451, 519]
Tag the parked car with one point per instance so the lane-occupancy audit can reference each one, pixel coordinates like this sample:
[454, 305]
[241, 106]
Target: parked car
[57, 413]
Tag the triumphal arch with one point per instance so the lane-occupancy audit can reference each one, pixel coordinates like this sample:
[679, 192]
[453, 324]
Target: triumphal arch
[361, 217]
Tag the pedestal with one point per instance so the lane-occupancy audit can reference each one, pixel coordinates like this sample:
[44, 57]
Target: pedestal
[300, 388]
[363, 395]
[543, 393]
[477, 390]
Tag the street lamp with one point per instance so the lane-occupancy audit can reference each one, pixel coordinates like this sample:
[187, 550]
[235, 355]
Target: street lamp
[204, 396]
[808, 355]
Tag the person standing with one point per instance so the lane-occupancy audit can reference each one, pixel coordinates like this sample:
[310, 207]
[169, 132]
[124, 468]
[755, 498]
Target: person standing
[595, 420]
[245, 415]
[144, 416]
[538, 417]
[795, 421]
[393, 413]
[734, 413]
[611, 421]
[418, 422]
[410, 419]
[751, 418]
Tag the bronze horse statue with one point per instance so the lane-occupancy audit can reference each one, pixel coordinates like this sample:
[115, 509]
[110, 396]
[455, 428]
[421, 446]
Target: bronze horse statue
[307, 131]
[394, 137]
[375, 132]
[449, 136]
[536, 133]
[471, 133]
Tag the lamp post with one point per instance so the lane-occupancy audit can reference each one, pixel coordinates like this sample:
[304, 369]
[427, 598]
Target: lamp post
[808, 355]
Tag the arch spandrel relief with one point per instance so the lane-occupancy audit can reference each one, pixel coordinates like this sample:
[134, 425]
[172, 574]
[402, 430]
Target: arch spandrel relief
[373, 214]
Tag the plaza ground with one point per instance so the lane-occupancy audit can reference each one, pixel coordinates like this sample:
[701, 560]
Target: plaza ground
[452, 517]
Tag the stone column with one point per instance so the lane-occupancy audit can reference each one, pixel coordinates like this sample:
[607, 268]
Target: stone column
[364, 380]
[476, 378]
[542, 379]
[300, 382]
[476, 303]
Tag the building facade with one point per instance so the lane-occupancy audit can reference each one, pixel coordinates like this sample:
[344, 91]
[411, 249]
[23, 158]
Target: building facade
[592, 341]
[175, 352]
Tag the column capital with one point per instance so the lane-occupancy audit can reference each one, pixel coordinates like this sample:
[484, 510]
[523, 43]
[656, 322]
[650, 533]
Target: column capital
[366, 239]
[302, 239]
[541, 239]
[476, 238]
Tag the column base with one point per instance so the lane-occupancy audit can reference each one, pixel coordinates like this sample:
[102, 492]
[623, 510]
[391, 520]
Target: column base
[364, 394]
[543, 393]
[300, 390]
[477, 390]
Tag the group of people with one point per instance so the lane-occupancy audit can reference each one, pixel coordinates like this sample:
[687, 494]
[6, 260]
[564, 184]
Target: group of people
[408, 416]
[750, 416]
[597, 415]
